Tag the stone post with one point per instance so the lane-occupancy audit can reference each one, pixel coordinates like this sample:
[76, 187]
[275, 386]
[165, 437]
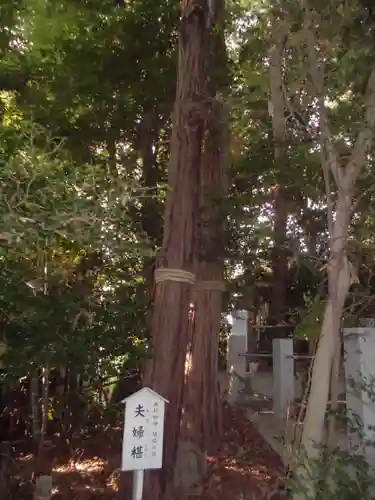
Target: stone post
[359, 359]
[43, 488]
[236, 361]
[252, 334]
[283, 376]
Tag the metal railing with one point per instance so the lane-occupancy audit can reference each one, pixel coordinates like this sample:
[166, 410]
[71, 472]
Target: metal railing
[265, 355]
[254, 355]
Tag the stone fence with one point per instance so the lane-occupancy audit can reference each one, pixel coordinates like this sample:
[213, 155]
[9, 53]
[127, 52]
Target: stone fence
[359, 369]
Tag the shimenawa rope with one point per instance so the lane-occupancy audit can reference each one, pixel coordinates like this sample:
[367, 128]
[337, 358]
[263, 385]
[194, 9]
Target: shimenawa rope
[178, 275]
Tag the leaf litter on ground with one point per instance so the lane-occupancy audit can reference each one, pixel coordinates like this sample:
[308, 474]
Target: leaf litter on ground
[244, 468]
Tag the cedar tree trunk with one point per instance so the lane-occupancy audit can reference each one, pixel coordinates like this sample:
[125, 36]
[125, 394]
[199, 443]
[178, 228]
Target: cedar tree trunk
[203, 428]
[174, 277]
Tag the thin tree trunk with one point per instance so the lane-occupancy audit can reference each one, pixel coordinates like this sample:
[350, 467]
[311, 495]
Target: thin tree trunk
[6, 463]
[151, 219]
[34, 403]
[321, 374]
[43, 482]
[112, 161]
[313, 434]
[175, 277]
[335, 388]
[340, 273]
[151, 173]
[279, 257]
[45, 406]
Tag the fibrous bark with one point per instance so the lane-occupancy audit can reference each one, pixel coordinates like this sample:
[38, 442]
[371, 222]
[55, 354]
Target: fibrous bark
[174, 277]
[202, 389]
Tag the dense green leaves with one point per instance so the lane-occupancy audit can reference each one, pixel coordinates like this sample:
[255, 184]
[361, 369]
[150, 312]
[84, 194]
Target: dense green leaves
[77, 78]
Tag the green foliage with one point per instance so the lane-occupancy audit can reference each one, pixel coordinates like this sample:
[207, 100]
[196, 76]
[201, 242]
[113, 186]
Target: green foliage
[76, 80]
[60, 268]
[338, 473]
[44, 198]
[311, 318]
[342, 474]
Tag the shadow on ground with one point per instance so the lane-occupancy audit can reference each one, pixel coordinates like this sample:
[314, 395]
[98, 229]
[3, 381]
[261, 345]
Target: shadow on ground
[245, 468]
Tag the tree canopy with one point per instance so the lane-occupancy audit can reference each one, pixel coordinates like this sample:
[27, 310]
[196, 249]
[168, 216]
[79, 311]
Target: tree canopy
[88, 93]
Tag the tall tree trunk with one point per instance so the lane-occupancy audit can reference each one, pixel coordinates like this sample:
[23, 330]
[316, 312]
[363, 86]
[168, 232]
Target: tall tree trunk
[202, 384]
[174, 277]
[202, 390]
[279, 258]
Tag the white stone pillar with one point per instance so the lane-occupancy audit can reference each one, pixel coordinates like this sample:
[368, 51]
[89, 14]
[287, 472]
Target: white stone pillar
[43, 488]
[359, 357]
[236, 361]
[283, 376]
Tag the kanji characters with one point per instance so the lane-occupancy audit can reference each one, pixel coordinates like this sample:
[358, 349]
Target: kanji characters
[137, 452]
[138, 432]
[139, 411]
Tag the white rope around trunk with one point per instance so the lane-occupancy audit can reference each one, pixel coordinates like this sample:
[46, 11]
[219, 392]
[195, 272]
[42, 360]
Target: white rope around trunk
[178, 275]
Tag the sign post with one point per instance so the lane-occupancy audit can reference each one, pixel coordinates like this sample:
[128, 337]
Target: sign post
[142, 445]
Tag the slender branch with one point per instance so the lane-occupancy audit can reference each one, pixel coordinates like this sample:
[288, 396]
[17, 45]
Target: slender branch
[329, 156]
[364, 138]
[316, 70]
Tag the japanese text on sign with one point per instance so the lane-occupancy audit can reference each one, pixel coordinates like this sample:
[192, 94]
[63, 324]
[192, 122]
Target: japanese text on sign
[143, 431]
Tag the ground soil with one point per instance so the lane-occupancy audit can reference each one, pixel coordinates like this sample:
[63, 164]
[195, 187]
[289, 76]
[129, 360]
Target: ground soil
[245, 468]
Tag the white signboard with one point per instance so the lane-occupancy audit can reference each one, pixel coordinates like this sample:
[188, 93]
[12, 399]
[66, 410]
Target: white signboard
[142, 446]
